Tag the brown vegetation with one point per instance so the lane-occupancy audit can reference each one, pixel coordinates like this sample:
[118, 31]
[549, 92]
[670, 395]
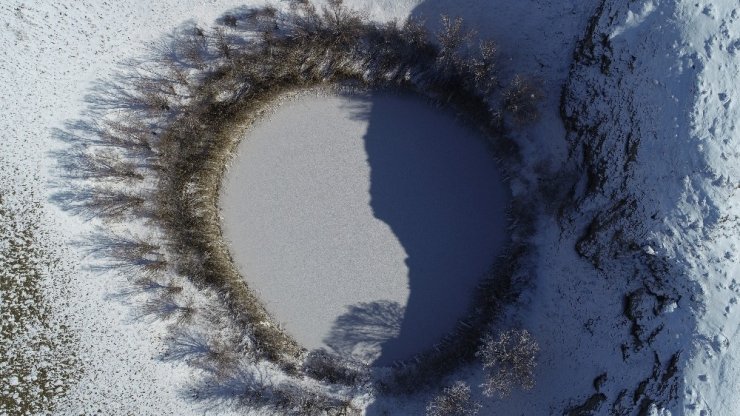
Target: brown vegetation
[453, 401]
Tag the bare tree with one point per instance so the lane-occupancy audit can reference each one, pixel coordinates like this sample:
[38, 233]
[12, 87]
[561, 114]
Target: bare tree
[454, 401]
[451, 37]
[521, 100]
[483, 68]
[510, 360]
[342, 21]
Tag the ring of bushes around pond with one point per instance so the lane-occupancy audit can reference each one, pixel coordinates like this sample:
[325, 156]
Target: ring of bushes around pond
[180, 114]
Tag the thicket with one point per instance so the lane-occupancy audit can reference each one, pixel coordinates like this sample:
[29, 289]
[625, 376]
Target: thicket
[453, 401]
[510, 360]
[166, 128]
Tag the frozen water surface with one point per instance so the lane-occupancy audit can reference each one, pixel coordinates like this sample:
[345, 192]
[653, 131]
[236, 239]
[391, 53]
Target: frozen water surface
[364, 221]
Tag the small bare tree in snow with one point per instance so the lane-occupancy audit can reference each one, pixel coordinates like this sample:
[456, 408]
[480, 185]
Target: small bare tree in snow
[451, 37]
[521, 100]
[454, 401]
[510, 360]
[483, 68]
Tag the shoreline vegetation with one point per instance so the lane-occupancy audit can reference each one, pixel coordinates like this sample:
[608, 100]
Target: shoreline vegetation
[157, 144]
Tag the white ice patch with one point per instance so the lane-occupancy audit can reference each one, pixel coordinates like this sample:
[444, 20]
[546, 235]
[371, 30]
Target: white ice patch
[634, 19]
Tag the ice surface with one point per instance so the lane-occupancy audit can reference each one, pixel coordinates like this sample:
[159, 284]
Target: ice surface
[364, 221]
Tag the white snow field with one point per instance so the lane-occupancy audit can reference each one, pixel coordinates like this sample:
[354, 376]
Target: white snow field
[345, 206]
[636, 280]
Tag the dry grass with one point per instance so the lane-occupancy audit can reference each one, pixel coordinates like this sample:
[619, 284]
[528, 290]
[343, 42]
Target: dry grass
[38, 351]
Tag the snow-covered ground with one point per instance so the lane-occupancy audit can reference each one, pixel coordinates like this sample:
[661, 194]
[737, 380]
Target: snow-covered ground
[660, 133]
[636, 278]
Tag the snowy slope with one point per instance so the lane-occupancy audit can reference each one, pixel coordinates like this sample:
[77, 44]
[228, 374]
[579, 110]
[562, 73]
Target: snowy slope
[651, 113]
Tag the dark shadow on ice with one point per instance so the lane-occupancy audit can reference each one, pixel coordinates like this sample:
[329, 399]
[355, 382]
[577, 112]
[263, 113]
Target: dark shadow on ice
[361, 331]
[435, 183]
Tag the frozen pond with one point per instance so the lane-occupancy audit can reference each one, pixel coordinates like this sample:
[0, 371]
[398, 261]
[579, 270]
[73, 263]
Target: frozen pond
[364, 221]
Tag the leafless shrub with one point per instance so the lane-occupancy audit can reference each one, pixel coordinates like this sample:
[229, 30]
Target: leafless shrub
[215, 349]
[250, 19]
[451, 38]
[300, 400]
[482, 68]
[222, 43]
[122, 246]
[305, 20]
[142, 270]
[265, 15]
[246, 385]
[322, 365]
[344, 24]
[521, 100]
[415, 33]
[241, 385]
[453, 401]
[195, 48]
[221, 354]
[153, 99]
[172, 76]
[510, 360]
[229, 20]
